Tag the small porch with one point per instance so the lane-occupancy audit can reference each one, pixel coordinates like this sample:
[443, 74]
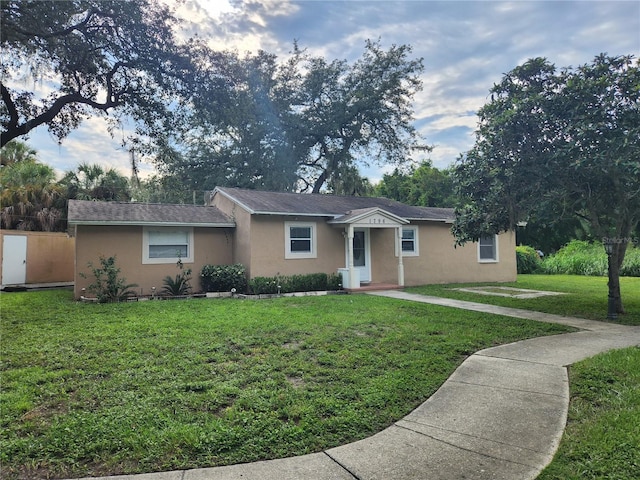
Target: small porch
[357, 225]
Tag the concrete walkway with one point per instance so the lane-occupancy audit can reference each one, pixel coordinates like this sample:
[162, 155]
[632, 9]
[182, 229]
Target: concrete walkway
[499, 416]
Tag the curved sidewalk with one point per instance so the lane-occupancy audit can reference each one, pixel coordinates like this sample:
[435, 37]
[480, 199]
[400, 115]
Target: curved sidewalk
[499, 416]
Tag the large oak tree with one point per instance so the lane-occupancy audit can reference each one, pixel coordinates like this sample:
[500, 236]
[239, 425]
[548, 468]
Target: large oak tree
[304, 123]
[91, 57]
[556, 144]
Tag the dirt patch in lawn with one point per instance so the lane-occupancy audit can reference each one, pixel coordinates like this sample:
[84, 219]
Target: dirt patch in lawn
[510, 292]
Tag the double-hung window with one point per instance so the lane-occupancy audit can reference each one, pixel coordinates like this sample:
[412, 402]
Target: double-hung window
[167, 245]
[300, 240]
[409, 242]
[488, 249]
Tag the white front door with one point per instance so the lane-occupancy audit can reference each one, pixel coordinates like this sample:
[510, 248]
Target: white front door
[361, 253]
[14, 260]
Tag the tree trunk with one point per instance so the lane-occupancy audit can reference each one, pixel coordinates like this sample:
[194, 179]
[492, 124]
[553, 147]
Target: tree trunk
[615, 262]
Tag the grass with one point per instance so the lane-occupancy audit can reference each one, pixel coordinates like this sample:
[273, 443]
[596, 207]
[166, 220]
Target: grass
[91, 389]
[602, 438]
[586, 296]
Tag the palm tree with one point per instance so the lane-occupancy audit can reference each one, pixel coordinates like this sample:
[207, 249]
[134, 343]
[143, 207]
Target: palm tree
[30, 198]
[92, 182]
[16, 151]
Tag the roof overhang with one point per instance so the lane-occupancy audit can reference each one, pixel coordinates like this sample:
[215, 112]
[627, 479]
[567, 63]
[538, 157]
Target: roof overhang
[440, 220]
[149, 224]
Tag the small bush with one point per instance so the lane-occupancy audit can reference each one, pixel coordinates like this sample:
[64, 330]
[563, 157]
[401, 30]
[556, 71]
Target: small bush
[180, 284]
[222, 278]
[108, 286]
[294, 283]
[264, 285]
[527, 259]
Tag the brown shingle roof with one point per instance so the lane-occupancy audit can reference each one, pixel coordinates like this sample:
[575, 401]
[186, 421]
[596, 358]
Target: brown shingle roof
[121, 213]
[260, 202]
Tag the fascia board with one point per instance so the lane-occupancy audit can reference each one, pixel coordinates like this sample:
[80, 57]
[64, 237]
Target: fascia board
[153, 224]
[439, 220]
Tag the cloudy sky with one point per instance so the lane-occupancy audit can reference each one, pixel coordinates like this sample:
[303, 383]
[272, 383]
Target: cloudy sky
[466, 45]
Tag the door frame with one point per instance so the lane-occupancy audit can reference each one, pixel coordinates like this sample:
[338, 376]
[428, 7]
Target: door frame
[365, 272]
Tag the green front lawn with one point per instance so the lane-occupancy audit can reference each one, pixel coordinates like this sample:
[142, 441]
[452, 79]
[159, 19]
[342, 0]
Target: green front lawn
[602, 438]
[92, 389]
[586, 297]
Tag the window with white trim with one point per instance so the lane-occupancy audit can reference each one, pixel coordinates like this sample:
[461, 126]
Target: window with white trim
[409, 242]
[300, 240]
[488, 248]
[167, 245]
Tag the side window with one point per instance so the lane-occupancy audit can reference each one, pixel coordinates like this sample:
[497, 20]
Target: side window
[167, 245]
[300, 240]
[488, 248]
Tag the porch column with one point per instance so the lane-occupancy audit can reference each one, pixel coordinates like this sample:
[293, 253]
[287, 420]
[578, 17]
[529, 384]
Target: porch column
[352, 270]
[400, 264]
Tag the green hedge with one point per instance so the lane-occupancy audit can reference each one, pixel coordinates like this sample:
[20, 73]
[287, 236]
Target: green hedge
[294, 283]
[579, 257]
[222, 278]
[527, 259]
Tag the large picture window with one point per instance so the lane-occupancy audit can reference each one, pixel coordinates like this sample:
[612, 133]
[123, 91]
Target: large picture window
[488, 248]
[300, 241]
[167, 245]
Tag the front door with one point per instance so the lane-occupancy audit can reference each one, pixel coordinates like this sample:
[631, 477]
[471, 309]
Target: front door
[361, 253]
[14, 260]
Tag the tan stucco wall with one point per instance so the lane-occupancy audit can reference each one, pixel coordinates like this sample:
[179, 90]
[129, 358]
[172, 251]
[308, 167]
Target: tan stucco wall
[49, 256]
[242, 234]
[268, 247]
[211, 246]
[439, 261]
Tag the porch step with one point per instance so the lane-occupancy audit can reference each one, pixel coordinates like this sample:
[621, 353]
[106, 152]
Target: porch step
[374, 286]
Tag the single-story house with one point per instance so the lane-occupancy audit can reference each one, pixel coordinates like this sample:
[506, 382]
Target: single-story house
[367, 239]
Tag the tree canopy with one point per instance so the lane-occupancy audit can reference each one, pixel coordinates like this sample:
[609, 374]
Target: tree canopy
[423, 185]
[302, 124]
[555, 144]
[94, 57]
[207, 118]
[93, 182]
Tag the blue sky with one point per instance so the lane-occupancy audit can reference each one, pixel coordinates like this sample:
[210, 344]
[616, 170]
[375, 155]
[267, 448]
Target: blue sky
[466, 45]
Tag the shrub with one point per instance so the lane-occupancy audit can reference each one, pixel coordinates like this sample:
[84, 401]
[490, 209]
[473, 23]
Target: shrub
[631, 265]
[527, 259]
[579, 257]
[222, 278]
[294, 283]
[263, 285]
[108, 286]
[180, 285]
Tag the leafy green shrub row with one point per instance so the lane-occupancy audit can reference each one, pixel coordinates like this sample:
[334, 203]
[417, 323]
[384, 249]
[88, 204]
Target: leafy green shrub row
[222, 278]
[294, 283]
[579, 257]
[527, 259]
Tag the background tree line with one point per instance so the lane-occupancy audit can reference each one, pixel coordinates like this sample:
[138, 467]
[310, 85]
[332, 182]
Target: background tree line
[32, 198]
